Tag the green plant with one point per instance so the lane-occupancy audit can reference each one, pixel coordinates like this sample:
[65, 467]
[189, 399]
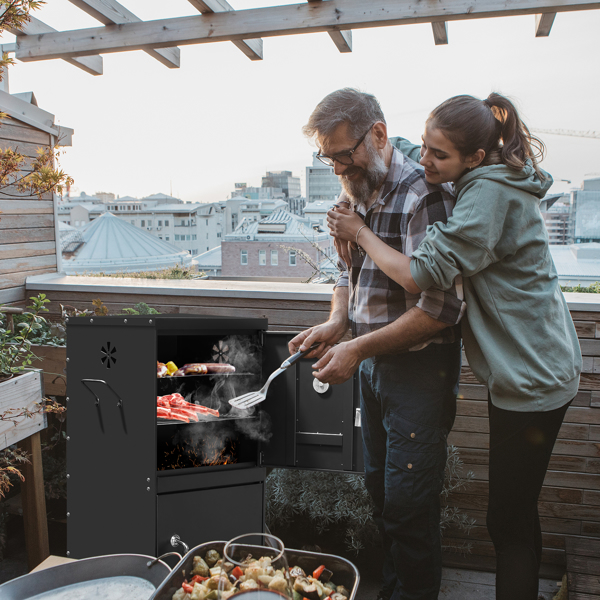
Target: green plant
[176, 272]
[324, 500]
[15, 348]
[594, 288]
[141, 308]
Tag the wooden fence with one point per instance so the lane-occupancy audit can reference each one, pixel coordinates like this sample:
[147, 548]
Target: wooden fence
[570, 500]
[27, 225]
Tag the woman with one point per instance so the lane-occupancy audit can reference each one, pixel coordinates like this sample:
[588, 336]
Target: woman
[518, 333]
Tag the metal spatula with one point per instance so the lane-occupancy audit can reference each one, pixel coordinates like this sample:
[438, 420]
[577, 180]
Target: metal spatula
[248, 400]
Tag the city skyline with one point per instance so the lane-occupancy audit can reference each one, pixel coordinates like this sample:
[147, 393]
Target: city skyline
[193, 132]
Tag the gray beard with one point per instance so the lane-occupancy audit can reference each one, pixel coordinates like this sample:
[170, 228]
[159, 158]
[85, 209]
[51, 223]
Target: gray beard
[360, 190]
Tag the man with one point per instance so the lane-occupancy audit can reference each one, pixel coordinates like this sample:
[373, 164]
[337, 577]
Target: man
[406, 345]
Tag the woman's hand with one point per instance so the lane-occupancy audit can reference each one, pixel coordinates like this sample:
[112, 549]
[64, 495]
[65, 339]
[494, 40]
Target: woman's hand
[343, 250]
[344, 223]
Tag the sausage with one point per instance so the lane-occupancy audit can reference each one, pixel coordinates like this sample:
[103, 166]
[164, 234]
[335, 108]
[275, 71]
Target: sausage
[220, 368]
[204, 368]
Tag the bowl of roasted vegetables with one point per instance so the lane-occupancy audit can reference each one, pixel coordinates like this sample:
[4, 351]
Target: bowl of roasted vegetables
[203, 574]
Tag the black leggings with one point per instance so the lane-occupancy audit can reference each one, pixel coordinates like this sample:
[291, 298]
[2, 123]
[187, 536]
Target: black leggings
[520, 448]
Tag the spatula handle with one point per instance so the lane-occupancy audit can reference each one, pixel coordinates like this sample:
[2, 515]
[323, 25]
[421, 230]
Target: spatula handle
[295, 357]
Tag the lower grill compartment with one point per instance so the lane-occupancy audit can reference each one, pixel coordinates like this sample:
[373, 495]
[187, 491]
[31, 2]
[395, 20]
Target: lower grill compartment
[228, 503]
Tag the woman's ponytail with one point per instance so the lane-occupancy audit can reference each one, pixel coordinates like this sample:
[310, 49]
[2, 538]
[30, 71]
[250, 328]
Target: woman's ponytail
[492, 125]
[518, 144]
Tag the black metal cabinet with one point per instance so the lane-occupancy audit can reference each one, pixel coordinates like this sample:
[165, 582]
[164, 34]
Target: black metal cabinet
[111, 447]
[121, 498]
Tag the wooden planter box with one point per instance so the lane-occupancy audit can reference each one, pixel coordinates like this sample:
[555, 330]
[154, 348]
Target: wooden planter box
[53, 363]
[20, 392]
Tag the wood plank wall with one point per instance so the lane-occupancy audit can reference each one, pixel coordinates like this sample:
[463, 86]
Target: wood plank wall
[570, 500]
[27, 237]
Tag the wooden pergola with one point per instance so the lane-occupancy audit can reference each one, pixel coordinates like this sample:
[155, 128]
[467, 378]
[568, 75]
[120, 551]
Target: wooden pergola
[218, 21]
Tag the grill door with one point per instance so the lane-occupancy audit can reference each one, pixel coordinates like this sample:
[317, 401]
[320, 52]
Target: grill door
[312, 428]
[111, 450]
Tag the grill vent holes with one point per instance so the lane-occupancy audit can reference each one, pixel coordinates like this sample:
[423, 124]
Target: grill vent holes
[108, 355]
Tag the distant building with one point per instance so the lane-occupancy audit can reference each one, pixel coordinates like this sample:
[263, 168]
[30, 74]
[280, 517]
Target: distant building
[272, 247]
[258, 193]
[556, 212]
[296, 205]
[585, 212]
[209, 262]
[321, 182]
[577, 264]
[194, 228]
[110, 245]
[316, 212]
[283, 180]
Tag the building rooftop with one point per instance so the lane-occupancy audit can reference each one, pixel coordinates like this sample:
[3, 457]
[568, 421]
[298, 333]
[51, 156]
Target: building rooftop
[111, 245]
[577, 263]
[279, 225]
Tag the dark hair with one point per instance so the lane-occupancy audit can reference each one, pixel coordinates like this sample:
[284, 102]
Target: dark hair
[348, 105]
[493, 125]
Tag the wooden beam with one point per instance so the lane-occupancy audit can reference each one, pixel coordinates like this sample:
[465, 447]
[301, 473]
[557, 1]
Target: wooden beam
[543, 24]
[253, 48]
[90, 64]
[342, 39]
[110, 12]
[291, 19]
[440, 32]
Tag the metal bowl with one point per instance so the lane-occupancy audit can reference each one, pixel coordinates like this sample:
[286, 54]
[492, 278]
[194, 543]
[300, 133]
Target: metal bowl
[108, 577]
[344, 572]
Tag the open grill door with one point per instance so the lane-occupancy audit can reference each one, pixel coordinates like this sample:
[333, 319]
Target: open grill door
[311, 428]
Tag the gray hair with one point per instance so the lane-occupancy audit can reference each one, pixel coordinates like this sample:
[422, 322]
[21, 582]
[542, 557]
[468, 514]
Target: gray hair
[348, 105]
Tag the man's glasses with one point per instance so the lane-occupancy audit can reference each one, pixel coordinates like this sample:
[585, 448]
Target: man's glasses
[344, 158]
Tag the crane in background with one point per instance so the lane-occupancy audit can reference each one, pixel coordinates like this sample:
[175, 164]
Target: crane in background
[569, 132]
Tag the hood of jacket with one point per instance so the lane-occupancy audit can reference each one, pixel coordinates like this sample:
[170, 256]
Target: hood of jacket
[525, 179]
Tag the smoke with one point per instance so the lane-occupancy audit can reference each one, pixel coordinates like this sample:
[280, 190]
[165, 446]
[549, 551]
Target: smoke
[256, 429]
[215, 391]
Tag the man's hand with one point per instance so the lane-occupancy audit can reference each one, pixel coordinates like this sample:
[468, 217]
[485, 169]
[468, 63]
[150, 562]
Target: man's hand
[326, 335]
[338, 364]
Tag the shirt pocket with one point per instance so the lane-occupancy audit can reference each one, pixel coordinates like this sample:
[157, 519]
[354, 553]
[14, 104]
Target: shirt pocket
[416, 456]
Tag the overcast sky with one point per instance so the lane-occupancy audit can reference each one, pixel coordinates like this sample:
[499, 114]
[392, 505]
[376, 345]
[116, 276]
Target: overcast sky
[142, 128]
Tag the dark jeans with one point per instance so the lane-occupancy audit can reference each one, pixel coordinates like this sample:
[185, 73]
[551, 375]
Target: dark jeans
[408, 405]
[520, 448]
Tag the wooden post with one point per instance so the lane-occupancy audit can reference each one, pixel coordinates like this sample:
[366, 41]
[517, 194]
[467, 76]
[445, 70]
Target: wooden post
[34, 503]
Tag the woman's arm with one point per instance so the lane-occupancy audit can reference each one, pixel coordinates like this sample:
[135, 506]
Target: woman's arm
[347, 225]
[393, 263]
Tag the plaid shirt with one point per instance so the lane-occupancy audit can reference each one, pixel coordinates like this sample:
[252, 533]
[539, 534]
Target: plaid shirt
[406, 206]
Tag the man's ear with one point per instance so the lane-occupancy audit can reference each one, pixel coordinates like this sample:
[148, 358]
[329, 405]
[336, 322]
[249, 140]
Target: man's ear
[475, 159]
[379, 135]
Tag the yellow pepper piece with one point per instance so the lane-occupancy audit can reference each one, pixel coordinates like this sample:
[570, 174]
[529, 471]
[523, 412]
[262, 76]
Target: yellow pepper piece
[171, 367]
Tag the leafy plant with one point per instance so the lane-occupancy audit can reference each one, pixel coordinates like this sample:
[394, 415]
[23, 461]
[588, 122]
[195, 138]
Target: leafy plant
[141, 308]
[41, 176]
[328, 501]
[15, 348]
[12, 459]
[594, 288]
[176, 272]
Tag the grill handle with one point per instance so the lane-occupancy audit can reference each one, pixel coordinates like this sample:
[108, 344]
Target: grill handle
[177, 541]
[87, 381]
[152, 562]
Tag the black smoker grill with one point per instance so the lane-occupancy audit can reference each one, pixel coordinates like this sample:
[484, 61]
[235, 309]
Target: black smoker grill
[135, 481]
